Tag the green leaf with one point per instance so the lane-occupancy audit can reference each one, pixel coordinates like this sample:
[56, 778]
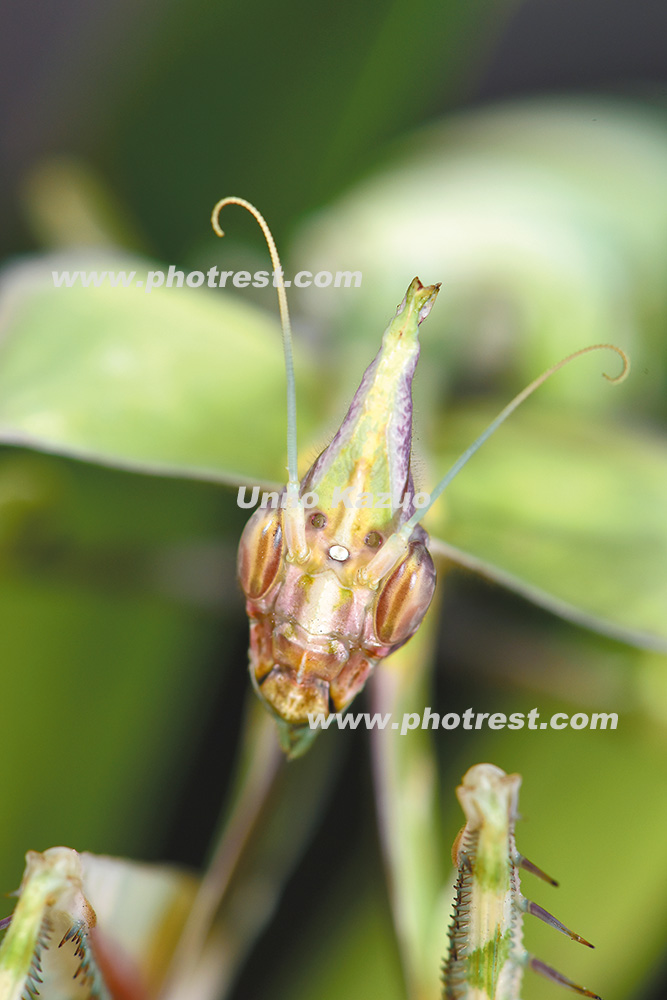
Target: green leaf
[573, 509]
[179, 382]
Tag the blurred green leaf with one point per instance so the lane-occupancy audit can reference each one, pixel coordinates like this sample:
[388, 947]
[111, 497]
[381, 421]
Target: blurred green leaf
[574, 509]
[545, 220]
[105, 644]
[179, 381]
[105, 715]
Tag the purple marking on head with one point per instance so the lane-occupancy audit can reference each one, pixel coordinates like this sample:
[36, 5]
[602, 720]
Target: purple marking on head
[387, 397]
[399, 431]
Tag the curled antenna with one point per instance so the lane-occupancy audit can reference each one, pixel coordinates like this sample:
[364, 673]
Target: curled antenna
[294, 517]
[406, 530]
[284, 319]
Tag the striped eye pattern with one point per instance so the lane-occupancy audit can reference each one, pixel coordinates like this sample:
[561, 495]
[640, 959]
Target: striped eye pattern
[405, 596]
[260, 552]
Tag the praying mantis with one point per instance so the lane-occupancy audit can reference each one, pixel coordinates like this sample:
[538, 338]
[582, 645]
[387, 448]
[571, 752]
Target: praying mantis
[486, 955]
[331, 591]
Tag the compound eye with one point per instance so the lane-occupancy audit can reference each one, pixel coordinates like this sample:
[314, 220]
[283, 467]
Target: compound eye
[318, 521]
[373, 540]
[260, 552]
[404, 599]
